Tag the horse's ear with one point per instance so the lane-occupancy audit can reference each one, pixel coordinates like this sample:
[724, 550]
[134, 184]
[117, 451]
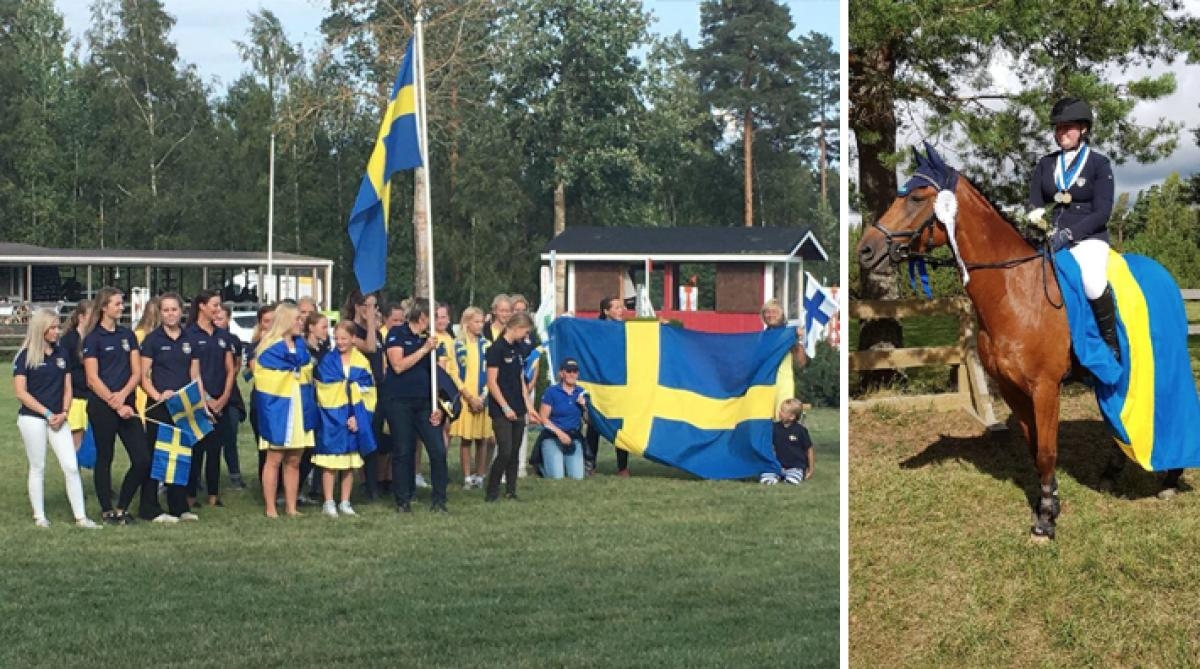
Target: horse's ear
[935, 160]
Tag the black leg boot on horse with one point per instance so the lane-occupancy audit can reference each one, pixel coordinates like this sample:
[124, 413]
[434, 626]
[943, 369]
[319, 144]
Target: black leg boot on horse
[1105, 310]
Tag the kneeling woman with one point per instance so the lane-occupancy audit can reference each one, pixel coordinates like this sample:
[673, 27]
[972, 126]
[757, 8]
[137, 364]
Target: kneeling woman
[561, 441]
[286, 405]
[346, 395]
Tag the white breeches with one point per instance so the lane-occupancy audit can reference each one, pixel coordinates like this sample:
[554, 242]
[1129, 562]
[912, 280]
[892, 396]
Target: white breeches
[1092, 256]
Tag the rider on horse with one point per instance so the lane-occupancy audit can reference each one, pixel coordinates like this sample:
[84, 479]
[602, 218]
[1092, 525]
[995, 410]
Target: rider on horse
[1079, 181]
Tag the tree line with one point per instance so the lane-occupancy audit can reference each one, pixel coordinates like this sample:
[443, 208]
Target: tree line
[542, 115]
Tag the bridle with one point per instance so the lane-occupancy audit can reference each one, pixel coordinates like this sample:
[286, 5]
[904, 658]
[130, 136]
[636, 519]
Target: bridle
[900, 249]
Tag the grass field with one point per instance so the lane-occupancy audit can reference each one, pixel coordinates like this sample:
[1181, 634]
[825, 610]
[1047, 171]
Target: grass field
[655, 570]
[942, 572]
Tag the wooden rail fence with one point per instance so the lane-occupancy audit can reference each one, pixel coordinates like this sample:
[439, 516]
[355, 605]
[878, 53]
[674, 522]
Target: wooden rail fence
[972, 394]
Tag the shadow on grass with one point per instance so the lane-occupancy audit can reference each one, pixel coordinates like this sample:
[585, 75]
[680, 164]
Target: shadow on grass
[1084, 448]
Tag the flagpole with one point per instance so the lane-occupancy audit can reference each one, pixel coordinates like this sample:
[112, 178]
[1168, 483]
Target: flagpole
[423, 134]
[262, 280]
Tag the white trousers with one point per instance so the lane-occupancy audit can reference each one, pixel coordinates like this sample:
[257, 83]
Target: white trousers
[35, 432]
[1092, 256]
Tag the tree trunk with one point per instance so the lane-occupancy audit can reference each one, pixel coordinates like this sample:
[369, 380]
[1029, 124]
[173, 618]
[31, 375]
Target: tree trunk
[560, 224]
[823, 162]
[747, 168]
[420, 240]
[296, 197]
[454, 126]
[873, 120]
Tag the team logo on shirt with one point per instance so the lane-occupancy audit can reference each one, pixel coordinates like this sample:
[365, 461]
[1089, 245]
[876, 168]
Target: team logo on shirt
[61, 363]
[508, 360]
[187, 348]
[125, 345]
[221, 343]
[1081, 182]
[792, 437]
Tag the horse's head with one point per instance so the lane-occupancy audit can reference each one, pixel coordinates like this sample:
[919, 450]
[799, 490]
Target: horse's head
[910, 226]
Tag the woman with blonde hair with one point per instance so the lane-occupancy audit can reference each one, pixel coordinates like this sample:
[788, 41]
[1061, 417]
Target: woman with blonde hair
[502, 310]
[785, 379]
[42, 384]
[71, 342]
[287, 407]
[473, 427]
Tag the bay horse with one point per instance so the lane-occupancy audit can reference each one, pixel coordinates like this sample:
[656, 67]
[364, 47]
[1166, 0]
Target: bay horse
[1024, 342]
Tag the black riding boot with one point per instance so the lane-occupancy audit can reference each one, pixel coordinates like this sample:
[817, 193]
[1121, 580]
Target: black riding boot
[1105, 310]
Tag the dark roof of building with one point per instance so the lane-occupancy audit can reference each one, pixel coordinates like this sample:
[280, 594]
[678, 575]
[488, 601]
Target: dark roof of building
[759, 243]
[12, 252]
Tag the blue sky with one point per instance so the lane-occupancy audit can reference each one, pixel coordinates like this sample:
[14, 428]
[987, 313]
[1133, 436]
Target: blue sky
[205, 30]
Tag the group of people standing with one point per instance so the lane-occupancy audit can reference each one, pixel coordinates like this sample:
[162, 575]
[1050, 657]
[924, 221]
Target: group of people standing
[357, 398]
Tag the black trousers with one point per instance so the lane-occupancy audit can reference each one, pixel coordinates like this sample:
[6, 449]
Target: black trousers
[593, 450]
[176, 494]
[408, 419]
[106, 427]
[206, 455]
[508, 455]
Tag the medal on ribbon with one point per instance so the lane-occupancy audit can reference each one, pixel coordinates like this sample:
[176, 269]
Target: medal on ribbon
[1065, 177]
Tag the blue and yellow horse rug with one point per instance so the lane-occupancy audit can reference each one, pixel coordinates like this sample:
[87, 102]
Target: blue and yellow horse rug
[1148, 398]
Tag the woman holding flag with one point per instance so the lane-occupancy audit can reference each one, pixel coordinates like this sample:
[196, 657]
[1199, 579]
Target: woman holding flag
[166, 369]
[286, 405]
[346, 396]
[113, 367]
[212, 363]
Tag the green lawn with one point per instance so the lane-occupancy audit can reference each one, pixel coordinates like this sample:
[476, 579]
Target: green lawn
[656, 570]
[942, 573]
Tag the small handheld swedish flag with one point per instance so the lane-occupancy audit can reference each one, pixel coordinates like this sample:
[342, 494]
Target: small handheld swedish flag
[172, 456]
[396, 149]
[189, 413]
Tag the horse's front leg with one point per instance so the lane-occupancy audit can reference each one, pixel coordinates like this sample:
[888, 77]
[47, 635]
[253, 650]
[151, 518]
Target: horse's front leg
[1046, 508]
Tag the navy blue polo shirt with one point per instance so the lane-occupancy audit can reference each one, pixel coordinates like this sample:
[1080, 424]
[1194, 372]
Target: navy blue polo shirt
[377, 359]
[510, 365]
[791, 445]
[210, 350]
[69, 342]
[172, 364]
[111, 349]
[565, 411]
[46, 381]
[414, 381]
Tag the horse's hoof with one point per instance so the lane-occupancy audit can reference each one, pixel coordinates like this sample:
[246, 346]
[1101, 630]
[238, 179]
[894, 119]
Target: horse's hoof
[1039, 539]
[1168, 493]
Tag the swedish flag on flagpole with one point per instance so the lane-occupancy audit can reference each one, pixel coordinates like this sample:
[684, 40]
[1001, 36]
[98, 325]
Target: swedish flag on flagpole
[396, 149]
[172, 456]
[189, 413]
[697, 401]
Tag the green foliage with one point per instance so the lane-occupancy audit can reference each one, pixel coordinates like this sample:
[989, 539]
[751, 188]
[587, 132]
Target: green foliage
[941, 57]
[819, 382]
[1170, 231]
[130, 148]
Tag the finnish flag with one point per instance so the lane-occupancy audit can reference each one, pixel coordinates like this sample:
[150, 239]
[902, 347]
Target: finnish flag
[819, 306]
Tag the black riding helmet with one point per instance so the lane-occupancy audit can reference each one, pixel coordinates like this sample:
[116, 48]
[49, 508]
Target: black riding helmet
[1071, 110]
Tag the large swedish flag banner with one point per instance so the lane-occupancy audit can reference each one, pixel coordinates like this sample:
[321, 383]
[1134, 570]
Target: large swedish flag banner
[396, 149]
[696, 401]
[1148, 397]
